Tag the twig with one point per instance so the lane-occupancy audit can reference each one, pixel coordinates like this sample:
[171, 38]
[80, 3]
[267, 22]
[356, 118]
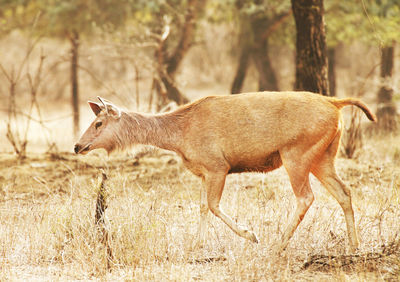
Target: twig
[332, 261]
[19, 112]
[101, 206]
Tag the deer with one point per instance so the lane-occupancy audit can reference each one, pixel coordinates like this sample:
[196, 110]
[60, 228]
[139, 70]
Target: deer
[250, 132]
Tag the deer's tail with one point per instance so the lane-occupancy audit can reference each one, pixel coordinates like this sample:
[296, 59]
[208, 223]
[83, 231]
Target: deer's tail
[340, 103]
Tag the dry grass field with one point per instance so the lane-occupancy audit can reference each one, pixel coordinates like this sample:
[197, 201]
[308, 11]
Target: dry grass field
[48, 230]
[48, 200]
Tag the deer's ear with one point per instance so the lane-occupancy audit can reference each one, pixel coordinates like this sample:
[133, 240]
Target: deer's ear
[96, 108]
[111, 109]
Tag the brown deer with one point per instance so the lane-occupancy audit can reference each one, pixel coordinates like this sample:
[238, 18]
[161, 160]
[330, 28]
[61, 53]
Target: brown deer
[253, 132]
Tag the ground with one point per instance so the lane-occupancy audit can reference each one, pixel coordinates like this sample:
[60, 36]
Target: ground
[48, 231]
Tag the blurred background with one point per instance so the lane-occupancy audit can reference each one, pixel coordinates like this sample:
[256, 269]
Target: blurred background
[55, 55]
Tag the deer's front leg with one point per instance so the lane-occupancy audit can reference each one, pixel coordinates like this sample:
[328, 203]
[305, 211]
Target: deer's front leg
[214, 183]
[203, 215]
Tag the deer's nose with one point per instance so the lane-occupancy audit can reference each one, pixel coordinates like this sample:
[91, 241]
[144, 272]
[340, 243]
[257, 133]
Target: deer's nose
[77, 148]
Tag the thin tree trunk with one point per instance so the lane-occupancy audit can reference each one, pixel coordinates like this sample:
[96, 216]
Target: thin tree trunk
[332, 71]
[172, 91]
[245, 45]
[267, 78]
[74, 40]
[169, 64]
[241, 70]
[386, 107]
[262, 27]
[254, 43]
[311, 60]
[186, 37]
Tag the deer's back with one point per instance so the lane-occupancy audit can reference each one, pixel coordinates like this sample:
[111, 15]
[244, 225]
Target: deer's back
[249, 128]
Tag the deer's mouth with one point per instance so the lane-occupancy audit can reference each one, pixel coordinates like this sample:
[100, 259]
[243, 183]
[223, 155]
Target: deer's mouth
[85, 150]
[82, 150]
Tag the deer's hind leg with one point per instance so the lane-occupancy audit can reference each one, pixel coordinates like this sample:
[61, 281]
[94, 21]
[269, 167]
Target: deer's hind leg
[299, 179]
[325, 171]
[298, 160]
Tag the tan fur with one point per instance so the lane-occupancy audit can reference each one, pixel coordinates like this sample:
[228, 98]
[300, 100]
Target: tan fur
[219, 135]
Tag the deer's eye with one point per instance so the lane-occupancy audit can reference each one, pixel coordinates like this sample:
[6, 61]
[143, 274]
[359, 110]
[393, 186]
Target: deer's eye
[98, 124]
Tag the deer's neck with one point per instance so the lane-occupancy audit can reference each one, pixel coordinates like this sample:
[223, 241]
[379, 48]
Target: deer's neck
[163, 131]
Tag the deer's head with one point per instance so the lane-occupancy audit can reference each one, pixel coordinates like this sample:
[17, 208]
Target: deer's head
[101, 132]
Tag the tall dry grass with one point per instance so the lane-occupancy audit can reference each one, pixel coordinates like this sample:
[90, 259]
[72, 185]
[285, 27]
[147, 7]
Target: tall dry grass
[47, 203]
[48, 229]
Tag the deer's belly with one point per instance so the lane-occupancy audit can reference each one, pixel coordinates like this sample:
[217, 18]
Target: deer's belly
[264, 164]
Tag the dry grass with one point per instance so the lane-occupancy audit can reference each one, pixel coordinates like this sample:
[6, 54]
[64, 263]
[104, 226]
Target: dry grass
[47, 203]
[48, 231]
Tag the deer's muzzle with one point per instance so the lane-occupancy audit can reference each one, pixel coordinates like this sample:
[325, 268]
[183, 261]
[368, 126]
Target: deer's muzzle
[79, 149]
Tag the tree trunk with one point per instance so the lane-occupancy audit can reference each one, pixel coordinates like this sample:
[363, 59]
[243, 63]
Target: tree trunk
[267, 78]
[332, 71]
[241, 70]
[172, 91]
[260, 26]
[311, 61]
[255, 31]
[74, 40]
[386, 107]
[169, 64]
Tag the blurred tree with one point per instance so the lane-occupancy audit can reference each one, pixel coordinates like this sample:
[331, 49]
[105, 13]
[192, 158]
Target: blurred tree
[386, 107]
[170, 27]
[173, 47]
[258, 20]
[311, 60]
[76, 18]
[384, 20]
[15, 14]
[342, 26]
[374, 22]
[332, 70]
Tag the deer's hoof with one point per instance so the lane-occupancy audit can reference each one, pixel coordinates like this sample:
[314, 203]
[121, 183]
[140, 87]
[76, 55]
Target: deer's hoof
[251, 236]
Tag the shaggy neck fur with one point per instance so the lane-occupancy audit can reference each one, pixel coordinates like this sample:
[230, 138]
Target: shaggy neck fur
[162, 131]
